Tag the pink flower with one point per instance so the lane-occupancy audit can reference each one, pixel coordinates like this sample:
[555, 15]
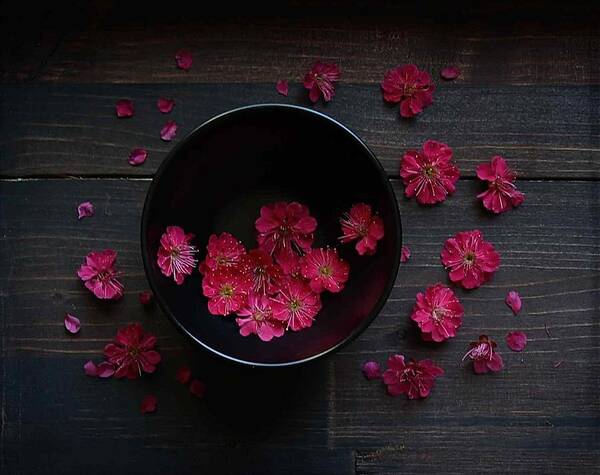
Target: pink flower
[132, 352]
[502, 194]
[320, 81]
[72, 323]
[149, 404]
[296, 305]
[258, 318]
[361, 224]
[85, 210]
[438, 313]
[223, 251]
[371, 370]
[198, 388]
[404, 254]
[282, 87]
[325, 270]
[513, 300]
[412, 88]
[176, 256]
[90, 369]
[165, 105]
[183, 374]
[99, 274]
[484, 356]
[415, 378]
[105, 370]
[429, 175]
[516, 341]
[169, 130]
[226, 290]
[290, 265]
[264, 272]
[184, 60]
[471, 261]
[124, 108]
[284, 228]
[145, 297]
[137, 156]
[450, 72]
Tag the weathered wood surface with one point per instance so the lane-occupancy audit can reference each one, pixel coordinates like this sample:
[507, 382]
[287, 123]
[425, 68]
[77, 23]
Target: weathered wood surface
[322, 417]
[544, 131]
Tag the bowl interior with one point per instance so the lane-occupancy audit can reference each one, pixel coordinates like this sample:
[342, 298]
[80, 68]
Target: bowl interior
[217, 179]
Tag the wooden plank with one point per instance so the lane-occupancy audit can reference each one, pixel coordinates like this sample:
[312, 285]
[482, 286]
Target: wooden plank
[550, 254]
[549, 132]
[493, 43]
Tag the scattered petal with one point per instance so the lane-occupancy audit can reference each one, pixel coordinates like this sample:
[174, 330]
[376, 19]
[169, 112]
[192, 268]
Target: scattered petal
[502, 193]
[165, 105]
[85, 210]
[198, 388]
[320, 81]
[90, 368]
[484, 356]
[149, 404]
[415, 378]
[361, 224]
[176, 256]
[124, 108]
[72, 323]
[169, 130]
[558, 363]
[516, 341]
[513, 300]
[282, 87]
[137, 156]
[146, 297]
[450, 72]
[183, 374]
[410, 87]
[438, 313]
[405, 254]
[99, 275]
[469, 259]
[429, 174]
[184, 59]
[132, 352]
[371, 370]
[105, 370]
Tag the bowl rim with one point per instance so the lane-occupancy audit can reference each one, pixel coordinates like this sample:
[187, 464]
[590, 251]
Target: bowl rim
[146, 258]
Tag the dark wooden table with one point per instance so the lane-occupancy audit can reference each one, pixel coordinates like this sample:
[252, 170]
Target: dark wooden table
[529, 91]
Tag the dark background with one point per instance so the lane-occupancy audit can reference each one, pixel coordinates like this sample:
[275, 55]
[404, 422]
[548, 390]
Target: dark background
[529, 91]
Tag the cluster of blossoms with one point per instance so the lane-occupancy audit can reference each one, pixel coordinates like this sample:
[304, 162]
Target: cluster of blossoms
[276, 287]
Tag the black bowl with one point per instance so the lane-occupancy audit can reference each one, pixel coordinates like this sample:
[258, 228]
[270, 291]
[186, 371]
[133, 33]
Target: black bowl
[218, 177]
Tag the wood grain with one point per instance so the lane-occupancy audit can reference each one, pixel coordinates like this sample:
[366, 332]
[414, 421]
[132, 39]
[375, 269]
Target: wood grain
[72, 130]
[550, 250]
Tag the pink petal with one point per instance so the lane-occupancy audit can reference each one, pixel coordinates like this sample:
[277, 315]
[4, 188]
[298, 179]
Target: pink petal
[165, 105]
[72, 323]
[90, 368]
[404, 254]
[282, 87]
[148, 404]
[183, 375]
[371, 370]
[513, 300]
[450, 72]
[124, 108]
[198, 388]
[184, 59]
[168, 131]
[145, 297]
[516, 341]
[137, 156]
[105, 370]
[85, 210]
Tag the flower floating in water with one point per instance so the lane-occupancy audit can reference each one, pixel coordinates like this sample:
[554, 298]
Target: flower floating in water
[176, 256]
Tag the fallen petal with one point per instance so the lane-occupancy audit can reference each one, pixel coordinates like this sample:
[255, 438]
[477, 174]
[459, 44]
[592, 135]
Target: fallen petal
[85, 210]
[137, 156]
[72, 323]
[516, 341]
[450, 72]
[183, 375]
[145, 297]
[197, 388]
[168, 131]
[124, 108]
[404, 254]
[371, 370]
[148, 404]
[90, 368]
[105, 370]
[282, 87]
[165, 105]
[513, 300]
[184, 59]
